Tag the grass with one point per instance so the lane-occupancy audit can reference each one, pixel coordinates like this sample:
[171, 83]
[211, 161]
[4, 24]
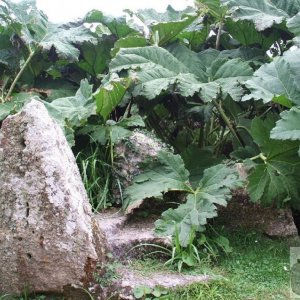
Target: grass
[96, 172]
[257, 269]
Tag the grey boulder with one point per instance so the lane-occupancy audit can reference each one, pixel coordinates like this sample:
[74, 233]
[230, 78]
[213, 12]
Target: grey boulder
[49, 240]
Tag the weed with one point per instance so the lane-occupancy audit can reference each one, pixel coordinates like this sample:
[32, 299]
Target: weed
[197, 252]
[184, 256]
[109, 276]
[147, 293]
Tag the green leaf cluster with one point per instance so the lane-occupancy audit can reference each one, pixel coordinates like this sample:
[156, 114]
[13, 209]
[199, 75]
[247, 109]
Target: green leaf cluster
[274, 177]
[168, 174]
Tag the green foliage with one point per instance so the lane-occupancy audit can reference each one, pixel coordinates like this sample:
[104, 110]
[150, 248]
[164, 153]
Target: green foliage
[290, 7]
[109, 95]
[288, 127]
[192, 215]
[15, 104]
[294, 26]
[113, 132]
[168, 26]
[111, 274]
[117, 27]
[156, 71]
[35, 35]
[273, 178]
[253, 38]
[130, 41]
[154, 68]
[147, 293]
[213, 7]
[95, 57]
[214, 188]
[166, 174]
[279, 79]
[263, 13]
[75, 109]
[214, 245]
[196, 161]
[256, 268]
[73, 112]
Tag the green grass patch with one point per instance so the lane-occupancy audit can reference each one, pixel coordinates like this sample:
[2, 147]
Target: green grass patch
[257, 269]
[96, 172]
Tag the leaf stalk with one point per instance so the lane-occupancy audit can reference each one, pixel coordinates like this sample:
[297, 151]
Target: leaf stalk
[218, 105]
[261, 156]
[31, 54]
[218, 40]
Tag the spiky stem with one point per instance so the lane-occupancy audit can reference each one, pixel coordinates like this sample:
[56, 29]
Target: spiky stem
[227, 121]
[31, 54]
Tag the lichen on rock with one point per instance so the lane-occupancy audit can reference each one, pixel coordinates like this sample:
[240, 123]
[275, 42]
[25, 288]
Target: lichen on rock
[49, 239]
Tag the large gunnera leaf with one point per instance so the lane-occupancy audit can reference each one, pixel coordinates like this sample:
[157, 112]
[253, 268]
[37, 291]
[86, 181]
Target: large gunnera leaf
[75, 109]
[288, 127]
[275, 176]
[246, 33]
[197, 160]
[155, 70]
[213, 7]
[5, 109]
[214, 188]
[72, 112]
[95, 57]
[217, 76]
[278, 79]
[16, 103]
[130, 41]
[290, 7]
[34, 29]
[165, 174]
[168, 25]
[118, 27]
[64, 39]
[263, 13]
[294, 26]
[110, 94]
[189, 216]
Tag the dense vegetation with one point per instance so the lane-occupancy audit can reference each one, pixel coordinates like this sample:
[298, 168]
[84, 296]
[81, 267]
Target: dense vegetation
[218, 83]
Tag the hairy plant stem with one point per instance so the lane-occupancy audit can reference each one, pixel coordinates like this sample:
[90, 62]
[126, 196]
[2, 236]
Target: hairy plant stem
[4, 84]
[218, 106]
[201, 137]
[111, 149]
[219, 35]
[31, 54]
